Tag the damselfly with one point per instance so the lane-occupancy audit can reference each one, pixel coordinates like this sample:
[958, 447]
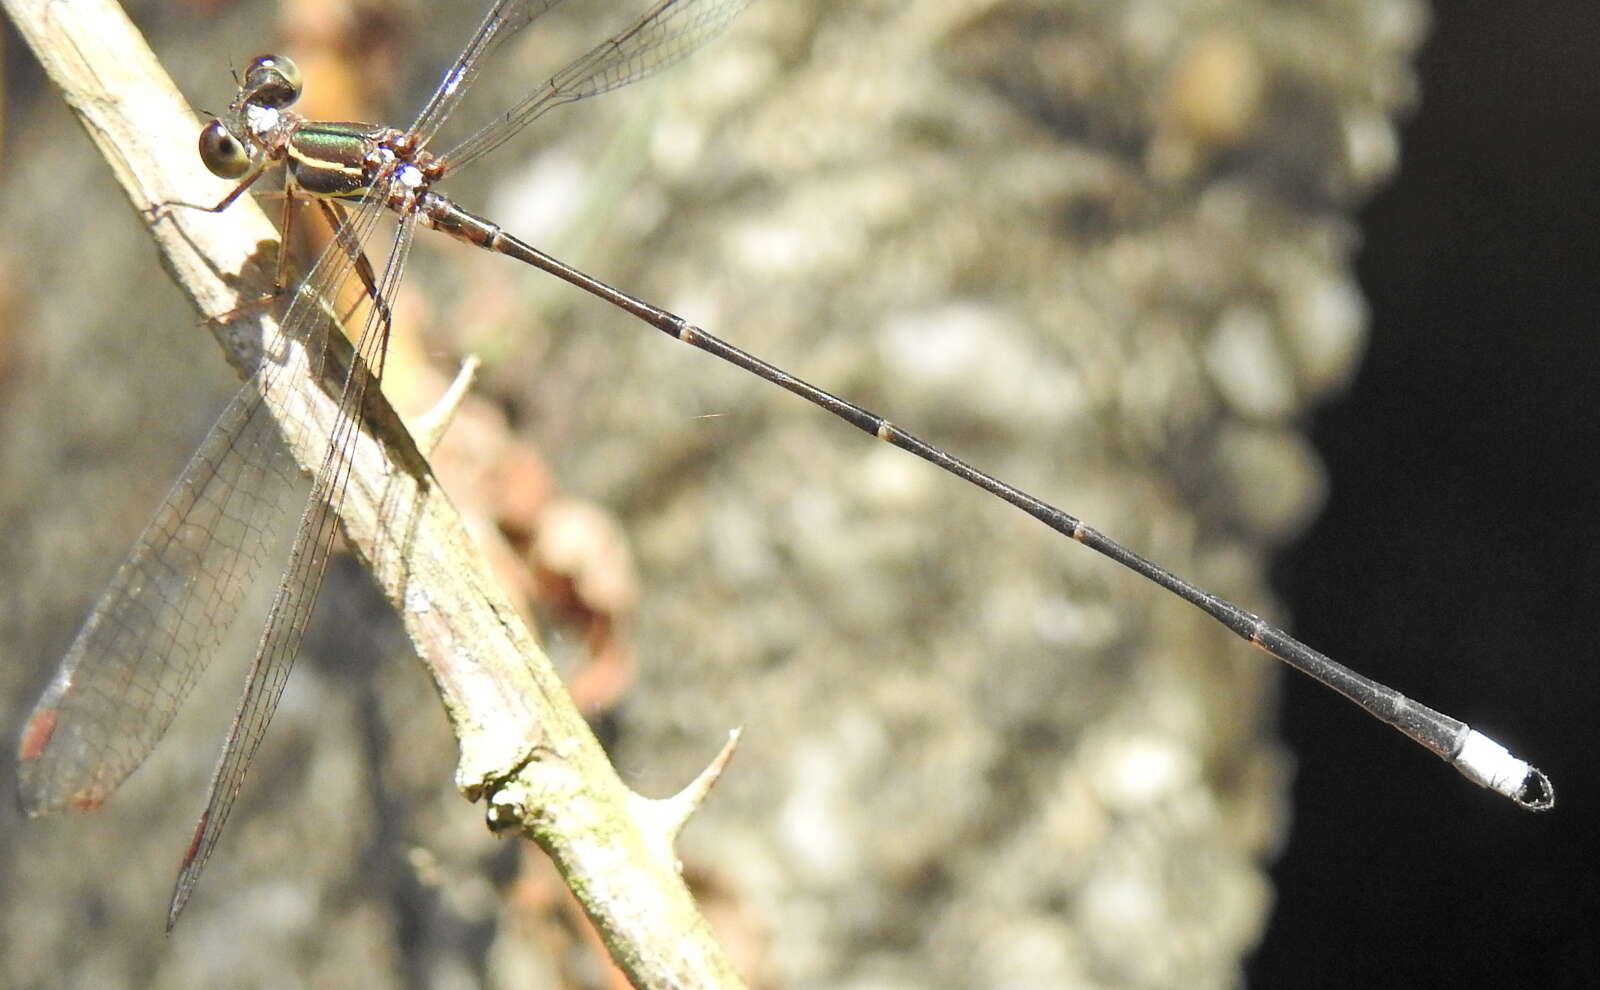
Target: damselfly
[154, 629]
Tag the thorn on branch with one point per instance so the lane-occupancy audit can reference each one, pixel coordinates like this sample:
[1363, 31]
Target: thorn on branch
[664, 819]
[430, 427]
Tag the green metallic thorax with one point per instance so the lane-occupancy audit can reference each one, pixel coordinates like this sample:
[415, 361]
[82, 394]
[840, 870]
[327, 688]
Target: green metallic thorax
[326, 159]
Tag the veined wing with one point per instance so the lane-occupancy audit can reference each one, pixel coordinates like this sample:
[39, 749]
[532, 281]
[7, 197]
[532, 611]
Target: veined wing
[661, 36]
[165, 614]
[308, 557]
[504, 19]
[171, 603]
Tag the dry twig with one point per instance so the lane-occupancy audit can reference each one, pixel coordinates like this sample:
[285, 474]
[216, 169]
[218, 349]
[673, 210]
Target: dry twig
[523, 744]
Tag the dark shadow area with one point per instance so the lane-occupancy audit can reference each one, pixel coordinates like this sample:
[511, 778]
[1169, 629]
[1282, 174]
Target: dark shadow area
[1457, 558]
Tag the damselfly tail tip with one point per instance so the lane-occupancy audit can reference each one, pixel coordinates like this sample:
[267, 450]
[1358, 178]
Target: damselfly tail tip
[1489, 764]
[1536, 792]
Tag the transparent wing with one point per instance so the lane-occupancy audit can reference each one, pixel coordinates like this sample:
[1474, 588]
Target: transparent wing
[164, 616]
[503, 20]
[171, 602]
[308, 557]
[662, 35]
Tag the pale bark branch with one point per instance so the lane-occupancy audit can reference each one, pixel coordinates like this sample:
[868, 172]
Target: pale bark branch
[523, 744]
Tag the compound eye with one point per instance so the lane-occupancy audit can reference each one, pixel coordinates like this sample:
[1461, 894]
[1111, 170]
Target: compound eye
[223, 154]
[272, 81]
